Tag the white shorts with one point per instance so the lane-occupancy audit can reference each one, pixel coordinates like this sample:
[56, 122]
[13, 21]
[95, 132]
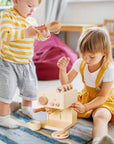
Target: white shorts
[13, 75]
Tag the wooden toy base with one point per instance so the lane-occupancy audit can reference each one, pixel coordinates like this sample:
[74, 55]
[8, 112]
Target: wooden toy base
[56, 125]
[60, 120]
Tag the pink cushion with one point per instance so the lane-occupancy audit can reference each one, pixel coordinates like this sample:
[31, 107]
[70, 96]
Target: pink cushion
[46, 55]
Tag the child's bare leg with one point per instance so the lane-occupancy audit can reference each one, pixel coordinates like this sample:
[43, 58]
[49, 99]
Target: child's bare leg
[5, 119]
[27, 109]
[4, 109]
[26, 103]
[101, 118]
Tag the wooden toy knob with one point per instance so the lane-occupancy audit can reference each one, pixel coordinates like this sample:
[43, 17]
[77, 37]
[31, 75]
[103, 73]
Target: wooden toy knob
[43, 100]
[64, 88]
[69, 86]
[60, 89]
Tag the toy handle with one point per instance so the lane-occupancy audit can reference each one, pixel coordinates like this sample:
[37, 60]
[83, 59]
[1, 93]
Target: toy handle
[54, 27]
[39, 109]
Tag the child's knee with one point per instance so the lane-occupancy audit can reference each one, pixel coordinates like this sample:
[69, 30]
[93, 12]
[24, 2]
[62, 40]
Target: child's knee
[101, 114]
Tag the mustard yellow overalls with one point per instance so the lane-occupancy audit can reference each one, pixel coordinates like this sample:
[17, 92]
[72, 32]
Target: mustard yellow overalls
[89, 93]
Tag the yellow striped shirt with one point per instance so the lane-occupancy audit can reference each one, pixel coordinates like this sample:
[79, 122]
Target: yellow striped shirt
[14, 47]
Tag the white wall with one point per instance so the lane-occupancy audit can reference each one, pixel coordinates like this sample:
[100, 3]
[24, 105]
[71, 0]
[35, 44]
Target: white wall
[86, 13]
[91, 12]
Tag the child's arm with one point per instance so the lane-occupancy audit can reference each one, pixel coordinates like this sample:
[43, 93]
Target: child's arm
[96, 102]
[9, 32]
[44, 30]
[102, 96]
[64, 77]
[31, 31]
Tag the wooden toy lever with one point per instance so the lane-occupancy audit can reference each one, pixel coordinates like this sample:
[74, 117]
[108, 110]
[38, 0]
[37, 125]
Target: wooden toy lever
[39, 109]
[49, 110]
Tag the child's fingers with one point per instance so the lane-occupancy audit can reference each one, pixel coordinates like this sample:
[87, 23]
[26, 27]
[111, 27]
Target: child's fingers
[61, 60]
[35, 29]
[77, 110]
[68, 59]
[61, 64]
[42, 27]
[75, 105]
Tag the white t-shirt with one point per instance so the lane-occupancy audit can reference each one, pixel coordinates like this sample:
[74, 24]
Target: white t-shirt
[90, 78]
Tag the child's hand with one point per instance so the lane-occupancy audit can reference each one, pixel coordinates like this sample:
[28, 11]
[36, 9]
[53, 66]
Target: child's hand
[63, 63]
[43, 30]
[31, 31]
[78, 107]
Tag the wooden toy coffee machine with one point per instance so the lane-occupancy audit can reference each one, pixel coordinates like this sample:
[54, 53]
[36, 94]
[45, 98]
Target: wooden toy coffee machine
[57, 101]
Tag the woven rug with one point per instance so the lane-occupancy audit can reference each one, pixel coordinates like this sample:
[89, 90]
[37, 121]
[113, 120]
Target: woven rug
[80, 133]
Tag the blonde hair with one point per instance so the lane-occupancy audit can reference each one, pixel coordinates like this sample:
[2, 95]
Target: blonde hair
[39, 1]
[96, 40]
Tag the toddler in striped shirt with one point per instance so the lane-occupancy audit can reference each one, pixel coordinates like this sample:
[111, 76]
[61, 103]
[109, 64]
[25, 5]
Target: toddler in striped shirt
[17, 33]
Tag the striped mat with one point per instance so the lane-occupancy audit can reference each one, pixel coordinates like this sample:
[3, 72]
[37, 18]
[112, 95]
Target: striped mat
[80, 133]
